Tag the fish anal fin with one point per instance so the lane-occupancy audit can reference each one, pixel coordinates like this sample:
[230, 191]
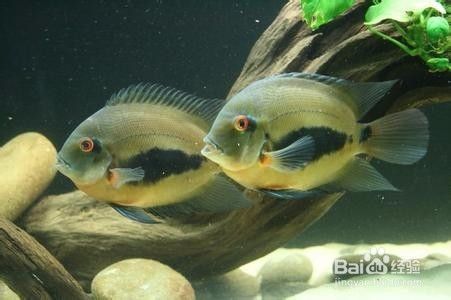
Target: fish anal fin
[359, 175]
[221, 195]
[293, 194]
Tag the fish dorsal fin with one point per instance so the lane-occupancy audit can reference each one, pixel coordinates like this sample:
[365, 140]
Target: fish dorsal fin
[364, 95]
[312, 76]
[157, 94]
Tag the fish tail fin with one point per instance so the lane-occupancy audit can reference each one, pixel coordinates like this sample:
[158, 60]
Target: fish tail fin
[400, 138]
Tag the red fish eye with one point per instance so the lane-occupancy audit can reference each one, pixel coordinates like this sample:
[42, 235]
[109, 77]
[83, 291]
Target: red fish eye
[87, 145]
[241, 123]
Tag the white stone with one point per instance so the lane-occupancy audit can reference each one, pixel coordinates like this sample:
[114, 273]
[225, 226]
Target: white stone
[429, 284]
[27, 168]
[289, 267]
[140, 279]
[322, 258]
[6, 293]
[233, 285]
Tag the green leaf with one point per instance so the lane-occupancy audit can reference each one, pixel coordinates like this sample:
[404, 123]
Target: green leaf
[437, 28]
[319, 12]
[439, 64]
[399, 10]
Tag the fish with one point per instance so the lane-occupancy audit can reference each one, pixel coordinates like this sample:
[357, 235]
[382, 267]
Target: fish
[140, 153]
[300, 135]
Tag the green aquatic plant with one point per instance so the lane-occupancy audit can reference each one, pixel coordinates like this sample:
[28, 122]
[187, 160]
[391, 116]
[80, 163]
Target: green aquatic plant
[422, 25]
[319, 12]
[437, 28]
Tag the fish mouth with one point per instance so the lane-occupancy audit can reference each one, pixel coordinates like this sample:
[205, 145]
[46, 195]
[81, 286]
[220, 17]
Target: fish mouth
[61, 163]
[211, 148]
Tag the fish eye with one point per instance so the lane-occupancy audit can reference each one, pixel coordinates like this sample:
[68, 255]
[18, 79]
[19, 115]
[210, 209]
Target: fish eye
[241, 123]
[87, 145]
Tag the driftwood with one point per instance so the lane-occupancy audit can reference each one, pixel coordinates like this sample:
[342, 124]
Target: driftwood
[343, 48]
[30, 270]
[86, 235]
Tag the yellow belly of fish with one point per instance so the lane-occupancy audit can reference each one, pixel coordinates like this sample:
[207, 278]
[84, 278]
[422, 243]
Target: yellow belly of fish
[170, 190]
[317, 173]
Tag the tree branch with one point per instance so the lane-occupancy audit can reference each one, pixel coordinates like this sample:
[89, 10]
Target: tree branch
[30, 270]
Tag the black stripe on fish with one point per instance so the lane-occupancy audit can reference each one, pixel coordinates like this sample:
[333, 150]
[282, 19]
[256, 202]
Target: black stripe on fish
[326, 140]
[365, 134]
[160, 163]
[97, 146]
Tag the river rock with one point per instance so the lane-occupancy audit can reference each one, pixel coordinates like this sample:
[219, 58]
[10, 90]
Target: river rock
[27, 167]
[284, 274]
[429, 284]
[6, 293]
[323, 257]
[314, 264]
[233, 285]
[140, 279]
[286, 267]
[280, 269]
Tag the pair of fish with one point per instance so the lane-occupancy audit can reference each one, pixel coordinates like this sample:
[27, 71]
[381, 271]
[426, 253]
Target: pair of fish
[291, 136]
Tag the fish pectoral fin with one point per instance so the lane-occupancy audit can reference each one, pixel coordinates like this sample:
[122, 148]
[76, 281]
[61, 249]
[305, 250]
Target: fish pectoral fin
[221, 195]
[293, 194]
[120, 176]
[134, 213]
[360, 175]
[295, 156]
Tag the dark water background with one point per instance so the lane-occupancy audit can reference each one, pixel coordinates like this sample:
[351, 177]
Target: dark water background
[61, 60]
